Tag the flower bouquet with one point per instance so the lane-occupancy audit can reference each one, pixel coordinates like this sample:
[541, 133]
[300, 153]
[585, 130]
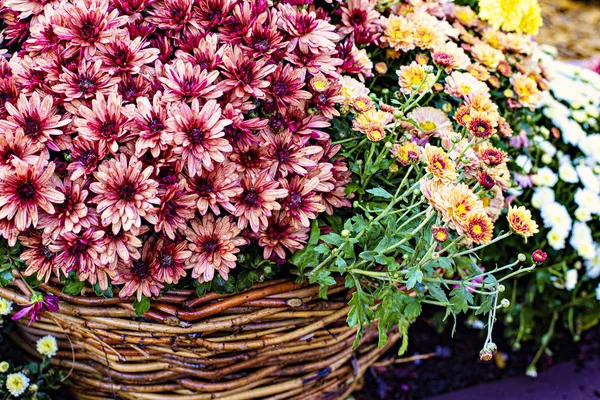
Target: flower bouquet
[557, 167]
[206, 197]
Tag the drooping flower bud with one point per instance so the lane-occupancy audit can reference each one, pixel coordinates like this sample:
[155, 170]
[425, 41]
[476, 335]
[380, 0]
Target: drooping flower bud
[538, 256]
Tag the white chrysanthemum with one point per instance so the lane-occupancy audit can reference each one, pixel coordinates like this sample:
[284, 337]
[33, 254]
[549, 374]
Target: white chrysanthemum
[544, 177]
[580, 116]
[571, 279]
[524, 162]
[556, 239]
[588, 199]
[17, 383]
[572, 132]
[542, 196]
[590, 146]
[598, 292]
[547, 148]
[351, 89]
[567, 173]
[5, 306]
[583, 214]
[593, 112]
[47, 346]
[582, 241]
[592, 266]
[557, 217]
[588, 178]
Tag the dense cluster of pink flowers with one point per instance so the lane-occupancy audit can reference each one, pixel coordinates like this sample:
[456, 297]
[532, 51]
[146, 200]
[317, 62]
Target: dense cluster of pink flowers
[141, 139]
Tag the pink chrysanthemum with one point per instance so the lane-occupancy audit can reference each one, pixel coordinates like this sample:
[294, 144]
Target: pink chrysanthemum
[36, 117]
[281, 233]
[306, 31]
[175, 16]
[85, 82]
[302, 203]
[216, 189]
[149, 123]
[198, 133]
[122, 246]
[85, 157]
[185, 81]
[214, 244]
[26, 189]
[288, 154]
[124, 192]
[245, 76]
[286, 87]
[124, 56]
[87, 24]
[38, 257]
[259, 198]
[169, 260]
[175, 210]
[15, 146]
[104, 122]
[138, 276]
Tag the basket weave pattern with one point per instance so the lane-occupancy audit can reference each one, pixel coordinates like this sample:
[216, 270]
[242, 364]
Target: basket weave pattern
[278, 340]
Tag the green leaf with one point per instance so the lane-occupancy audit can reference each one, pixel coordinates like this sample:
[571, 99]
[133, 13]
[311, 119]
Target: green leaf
[141, 307]
[332, 238]
[413, 307]
[486, 305]
[460, 298]
[108, 293]
[324, 279]
[201, 288]
[414, 276]
[223, 286]
[341, 264]
[445, 262]
[5, 277]
[315, 233]
[380, 192]
[73, 288]
[403, 328]
[436, 291]
[360, 313]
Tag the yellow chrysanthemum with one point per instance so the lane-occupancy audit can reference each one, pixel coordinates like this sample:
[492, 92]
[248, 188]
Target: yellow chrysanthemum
[520, 221]
[479, 228]
[439, 164]
[414, 76]
[512, 15]
[527, 90]
[460, 203]
[399, 33]
[17, 383]
[47, 346]
[5, 306]
[4, 366]
[406, 152]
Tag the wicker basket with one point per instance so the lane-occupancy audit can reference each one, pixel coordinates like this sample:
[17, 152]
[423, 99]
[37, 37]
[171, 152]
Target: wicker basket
[278, 340]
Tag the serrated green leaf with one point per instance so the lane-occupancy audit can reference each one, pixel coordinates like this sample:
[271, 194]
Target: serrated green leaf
[486, 305]
[380, 192]
[108, 293]
[332, 238]
[73, 288]
[413, 277]
[436, 291]
[460, 298]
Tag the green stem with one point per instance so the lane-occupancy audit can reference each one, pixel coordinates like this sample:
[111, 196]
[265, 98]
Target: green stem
[507, 234]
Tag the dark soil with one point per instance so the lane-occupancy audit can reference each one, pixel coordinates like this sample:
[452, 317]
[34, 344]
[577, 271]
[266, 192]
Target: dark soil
[456, 364]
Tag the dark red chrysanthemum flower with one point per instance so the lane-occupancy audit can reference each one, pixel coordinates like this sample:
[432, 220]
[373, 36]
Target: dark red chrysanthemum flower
[39, 258]
[86, 155]
[177, 207]
[174, 16]
[87, 24]
[216, 189]
[205, 52]
[26, 189]
[120, 55]
[198, 133]
[149, 124]
[124, 192]
[259, 198]
[72, 215]
[42, 37]
[104, 122]
[138, 276]
[286, 87]
[85, 82]
[302, 203]
[281, 233]
[288, 154]
[211, 14]
[214, 244]
[185, 81]
[263, 38]
[81, 253]
[36, 117]
[169, 260]
[245, 76]
[15, 146]
[132, 87]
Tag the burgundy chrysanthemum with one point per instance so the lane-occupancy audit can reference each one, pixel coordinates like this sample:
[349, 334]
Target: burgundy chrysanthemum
[174, 16]
[38, 257]
[169, 260]
[86, 155]
[281, 233]
[25, 190]
[259, 198]
[149, 123]
[87, 24]
[175, 210]
[15, 146]
[214, 244]
[306, 30]
[36, 117]
[104, 122]
[216, 189]
[81, 253]
[289, 154]
[302, 203]
[185, 81]
[124, 192]
[286, 87]
[124, 56]
[138, 276]
[198, 133]
[85, 82]
[245, 76]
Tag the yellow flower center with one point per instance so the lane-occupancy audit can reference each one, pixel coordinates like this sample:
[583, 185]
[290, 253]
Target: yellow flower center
[428, 126]
[477, 229]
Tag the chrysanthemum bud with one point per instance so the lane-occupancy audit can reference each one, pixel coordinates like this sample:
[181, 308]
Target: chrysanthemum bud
[446, 107]
[355, 204]
[4, 366]
[381, 68]
[417, 192]
[398, 113]
[546, 159]
[33, 388]
[531, 371]
[538, 256]
[492, 347]
[522, 257]
[388, 145]
[440, 234]
[435, 255]
[505, 303]
[345, 233]
[486, 181]
[385, 91]
[485, 355]
[501, 288]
